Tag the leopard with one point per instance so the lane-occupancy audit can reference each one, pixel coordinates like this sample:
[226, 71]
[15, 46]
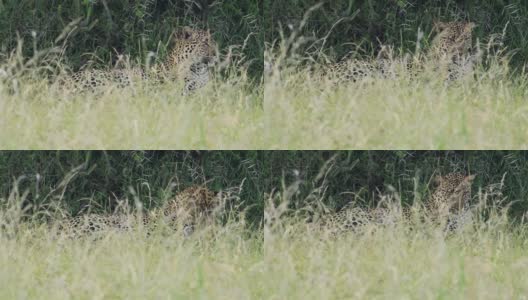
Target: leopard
[452, 39]
[451, 200]
[91, 80]
[192, 56]
[451, 48]
[352, 218]
[384, 66]
[94, 225]
[195, 205]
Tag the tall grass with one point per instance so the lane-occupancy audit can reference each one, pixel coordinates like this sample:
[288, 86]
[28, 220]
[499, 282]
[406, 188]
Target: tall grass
[318, 181]
[485, 113]
[359, 28]
[412, 258]
[44, 185]
[99, 181]
[100, 31]
[226, 114]
[33, 67]
[294, 262]
[390, 263]
[41, 45]
[38, 263]
[41, 259]
[145, 115]
[289, 258]
[412, 109]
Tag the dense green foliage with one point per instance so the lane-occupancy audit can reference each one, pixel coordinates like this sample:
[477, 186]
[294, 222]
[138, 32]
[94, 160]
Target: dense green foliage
[335, 177]
[350, 23]
[103, 28]
[104, 178]
[101, 179]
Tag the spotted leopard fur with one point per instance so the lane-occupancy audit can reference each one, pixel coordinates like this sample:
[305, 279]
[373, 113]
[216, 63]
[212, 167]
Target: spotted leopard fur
[385, 66]
[452, 199]
[452, 39]
[96, 224]
[351, 218]
[194, 206]
[193, 53]
[451, 48]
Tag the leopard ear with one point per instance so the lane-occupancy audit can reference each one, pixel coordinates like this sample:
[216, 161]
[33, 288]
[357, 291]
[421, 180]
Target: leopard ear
[438, 179]
[184, 33]
[470, 177]
[439, 25]
[470, 26]
[385, 52]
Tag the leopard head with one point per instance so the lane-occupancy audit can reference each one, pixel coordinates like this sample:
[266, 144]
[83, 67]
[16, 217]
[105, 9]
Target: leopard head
[452, 38]
[191, 46]
[194, 204]
[452, 193]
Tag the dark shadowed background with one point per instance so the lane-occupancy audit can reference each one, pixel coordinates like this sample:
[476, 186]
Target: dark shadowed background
[361, 25]
[134, 27]
[100, 178]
